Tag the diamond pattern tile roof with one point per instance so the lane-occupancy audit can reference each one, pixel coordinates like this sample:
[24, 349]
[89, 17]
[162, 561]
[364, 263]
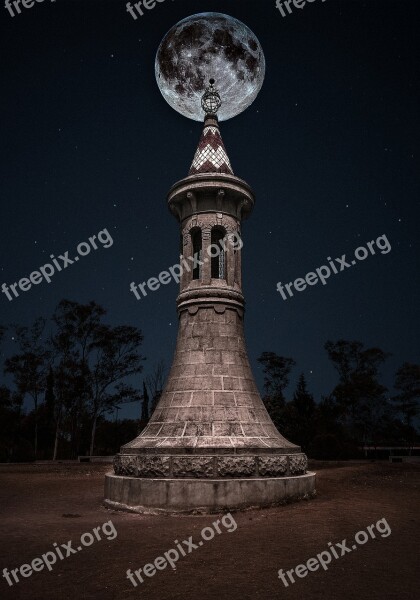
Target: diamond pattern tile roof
[211, 156]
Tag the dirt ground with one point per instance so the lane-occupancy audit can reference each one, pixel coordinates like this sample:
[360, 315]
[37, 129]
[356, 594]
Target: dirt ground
[42, 504]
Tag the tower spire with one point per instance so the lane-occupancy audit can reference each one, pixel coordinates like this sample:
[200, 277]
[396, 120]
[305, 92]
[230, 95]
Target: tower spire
[211, 155]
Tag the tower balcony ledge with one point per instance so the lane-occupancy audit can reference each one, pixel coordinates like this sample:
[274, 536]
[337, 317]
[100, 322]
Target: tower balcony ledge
[220, 298]
[211, 192]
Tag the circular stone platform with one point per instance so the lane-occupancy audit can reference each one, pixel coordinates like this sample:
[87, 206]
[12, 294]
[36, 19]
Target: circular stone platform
[203, 495]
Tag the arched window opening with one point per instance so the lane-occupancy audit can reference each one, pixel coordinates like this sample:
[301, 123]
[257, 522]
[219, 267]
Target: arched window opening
[218, 254]
[197, 246]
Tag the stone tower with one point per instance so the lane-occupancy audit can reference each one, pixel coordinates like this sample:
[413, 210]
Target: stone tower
[210, 444]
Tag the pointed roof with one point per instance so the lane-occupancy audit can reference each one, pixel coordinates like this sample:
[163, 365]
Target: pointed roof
[211, 156]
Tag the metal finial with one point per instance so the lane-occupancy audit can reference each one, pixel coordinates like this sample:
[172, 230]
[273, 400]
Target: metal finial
[210, 100]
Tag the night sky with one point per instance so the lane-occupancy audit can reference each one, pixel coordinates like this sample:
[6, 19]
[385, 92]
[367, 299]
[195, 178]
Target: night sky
[330, 147]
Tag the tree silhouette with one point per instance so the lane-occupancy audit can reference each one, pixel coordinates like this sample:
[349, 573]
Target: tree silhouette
[360, 397]
[155, 382]
[300, 416]
[114, 357]
[407, 381]
[29, 366]
[144, 418]
[276, 371]
[77, 326]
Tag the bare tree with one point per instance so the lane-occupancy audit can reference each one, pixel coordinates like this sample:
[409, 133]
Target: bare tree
[115, 356]
[29, 366]
[407, 401]
[94, 362]
[144, 417]
[77, 327]
[155, 382]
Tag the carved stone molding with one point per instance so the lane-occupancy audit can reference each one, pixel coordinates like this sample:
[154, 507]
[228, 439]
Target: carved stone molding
[197, 466]
[236, 466]
[272, 466]
[153, 466]
[298, 464]
[209, 466]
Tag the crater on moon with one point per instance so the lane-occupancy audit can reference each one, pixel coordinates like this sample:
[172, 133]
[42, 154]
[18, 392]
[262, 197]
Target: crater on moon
[205, 46]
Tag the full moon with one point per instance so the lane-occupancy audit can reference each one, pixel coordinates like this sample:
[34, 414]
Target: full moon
[209, 46]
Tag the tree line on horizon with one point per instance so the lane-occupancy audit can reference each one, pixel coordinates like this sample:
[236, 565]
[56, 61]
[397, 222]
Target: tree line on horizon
[76, 371]
[360, 411]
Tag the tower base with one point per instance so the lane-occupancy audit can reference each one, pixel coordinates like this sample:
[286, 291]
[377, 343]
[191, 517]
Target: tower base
[145, 495]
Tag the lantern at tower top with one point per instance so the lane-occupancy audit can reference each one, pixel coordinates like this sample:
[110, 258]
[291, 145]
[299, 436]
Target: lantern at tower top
[211, 101]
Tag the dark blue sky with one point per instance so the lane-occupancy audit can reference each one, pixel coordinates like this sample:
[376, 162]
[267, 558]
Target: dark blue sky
[330, 147]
